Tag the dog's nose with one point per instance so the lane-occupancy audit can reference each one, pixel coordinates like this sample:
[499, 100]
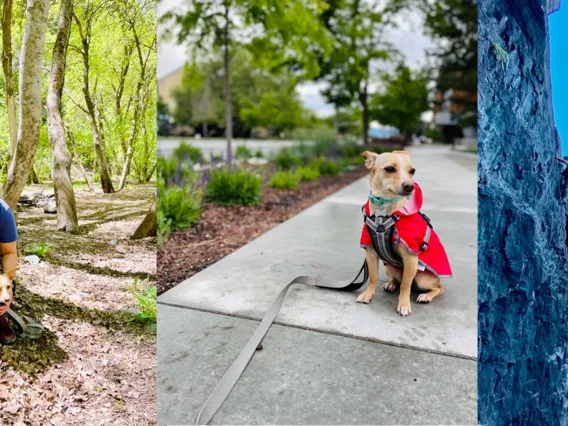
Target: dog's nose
[408, 187]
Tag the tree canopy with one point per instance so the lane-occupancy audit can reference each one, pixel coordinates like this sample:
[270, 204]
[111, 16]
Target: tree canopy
[403, 99]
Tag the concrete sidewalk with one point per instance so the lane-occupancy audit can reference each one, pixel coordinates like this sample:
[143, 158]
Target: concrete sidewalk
[331, 360]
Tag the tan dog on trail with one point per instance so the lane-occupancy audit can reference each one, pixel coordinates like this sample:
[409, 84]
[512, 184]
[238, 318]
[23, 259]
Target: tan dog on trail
[6, 291]
[417, 254]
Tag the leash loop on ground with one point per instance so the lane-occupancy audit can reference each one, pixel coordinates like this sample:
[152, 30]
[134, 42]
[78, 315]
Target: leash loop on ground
[228, 381]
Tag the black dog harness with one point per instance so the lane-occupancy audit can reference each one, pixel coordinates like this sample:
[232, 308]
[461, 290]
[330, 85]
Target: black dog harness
[381, 230]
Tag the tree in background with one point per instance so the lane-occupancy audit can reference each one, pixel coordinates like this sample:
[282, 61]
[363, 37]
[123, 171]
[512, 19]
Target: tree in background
[30, 101]
[403, 99]
[85, 16]
[260, 98]
[262, 26]
[9, 75]
[454, 24]
[61, 158]
[358, 28]
[137, 17]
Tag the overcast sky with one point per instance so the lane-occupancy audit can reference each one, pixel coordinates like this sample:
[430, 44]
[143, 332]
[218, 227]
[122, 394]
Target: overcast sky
[408, 39]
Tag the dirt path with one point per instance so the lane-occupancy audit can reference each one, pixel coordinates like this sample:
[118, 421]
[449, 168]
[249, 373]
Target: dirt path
[94, 365]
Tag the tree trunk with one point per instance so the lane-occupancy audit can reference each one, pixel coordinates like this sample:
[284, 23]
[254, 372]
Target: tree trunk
[152, 170]
[32, 179]
[83, 172]
[61, 159]
[148, 226]
[31, 58]
[228, 108]
[365, 110]
[106, 182]
[9, 76]
[140, 104]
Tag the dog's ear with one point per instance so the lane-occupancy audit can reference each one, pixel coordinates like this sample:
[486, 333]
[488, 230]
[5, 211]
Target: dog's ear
[11, 274]
[370, 158]
[402, 152]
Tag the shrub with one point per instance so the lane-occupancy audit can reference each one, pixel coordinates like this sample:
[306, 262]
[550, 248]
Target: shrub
[357, 160]
[284, 180]
[147, 302]
[216, 158]
[325, 167]
[186, 152]
[178, 208]
[285, 159]
[243, 152]
[351, 150]
[175, 172]
[308, 174]
[258, 153]
[39, 249]
[230, 187]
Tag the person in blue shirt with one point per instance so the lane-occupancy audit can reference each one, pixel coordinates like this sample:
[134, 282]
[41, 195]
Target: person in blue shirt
[9, 254]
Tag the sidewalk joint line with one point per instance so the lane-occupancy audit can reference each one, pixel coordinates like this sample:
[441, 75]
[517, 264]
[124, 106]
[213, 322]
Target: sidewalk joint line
[349, 336]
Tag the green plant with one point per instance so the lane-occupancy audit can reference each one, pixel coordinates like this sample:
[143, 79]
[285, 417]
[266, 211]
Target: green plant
[175, 172]
[325, 167]
[147, 301]
[307, 174]
[284, 180]
[258, 153]
[186, 152]
[230, 187]
[501, 54]
[285, 159]
[243, 152]
[434, 134]
[178, 208]
[351, 150]
[357, 160]
[39, 249]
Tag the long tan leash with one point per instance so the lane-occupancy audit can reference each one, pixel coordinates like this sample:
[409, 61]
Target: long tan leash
[228, 381]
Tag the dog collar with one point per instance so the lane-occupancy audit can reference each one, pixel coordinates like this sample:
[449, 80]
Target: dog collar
[379, 201]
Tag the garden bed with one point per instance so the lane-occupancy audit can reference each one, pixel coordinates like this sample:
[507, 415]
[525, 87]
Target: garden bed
[223, 229]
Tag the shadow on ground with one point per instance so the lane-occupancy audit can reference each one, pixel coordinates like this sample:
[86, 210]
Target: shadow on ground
[37, 356]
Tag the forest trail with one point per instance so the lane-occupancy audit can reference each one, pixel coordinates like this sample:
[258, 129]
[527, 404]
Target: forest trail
[94, 364]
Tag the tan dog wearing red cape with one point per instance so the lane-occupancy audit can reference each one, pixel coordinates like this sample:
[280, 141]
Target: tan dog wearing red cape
[398, 234]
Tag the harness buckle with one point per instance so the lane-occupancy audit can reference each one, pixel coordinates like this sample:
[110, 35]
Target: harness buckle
[424, 246]
[381, 228]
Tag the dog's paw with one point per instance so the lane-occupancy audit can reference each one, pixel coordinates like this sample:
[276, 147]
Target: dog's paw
[424, 298]
[403, 308]
[389, 286]
[365, 297]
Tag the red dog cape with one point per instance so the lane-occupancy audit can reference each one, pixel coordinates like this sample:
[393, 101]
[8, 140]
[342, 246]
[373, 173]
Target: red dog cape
[410, 230]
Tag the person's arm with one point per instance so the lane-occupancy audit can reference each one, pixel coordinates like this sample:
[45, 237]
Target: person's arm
[9, 253]
[8, 240]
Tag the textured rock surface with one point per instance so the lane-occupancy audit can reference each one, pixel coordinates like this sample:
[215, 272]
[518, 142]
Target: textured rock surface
[523, 263]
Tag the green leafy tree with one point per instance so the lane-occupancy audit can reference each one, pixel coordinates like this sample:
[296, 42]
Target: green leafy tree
[403, 99]
[454, 24]
[358, 29]
[259, 98]
[263, 26]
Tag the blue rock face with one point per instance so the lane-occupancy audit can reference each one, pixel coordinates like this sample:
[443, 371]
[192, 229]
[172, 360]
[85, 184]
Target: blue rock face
[523, 262]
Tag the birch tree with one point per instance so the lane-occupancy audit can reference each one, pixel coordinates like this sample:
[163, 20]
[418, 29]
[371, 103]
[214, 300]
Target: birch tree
[91, 11]
[61, 158]
[31, 59]
[9, 75]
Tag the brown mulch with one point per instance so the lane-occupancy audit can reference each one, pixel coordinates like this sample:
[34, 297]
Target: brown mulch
[221, 230]
[94, 365]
